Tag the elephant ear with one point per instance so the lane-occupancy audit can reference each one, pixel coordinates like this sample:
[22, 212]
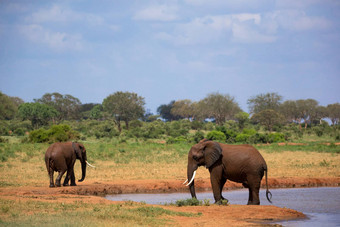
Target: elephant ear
[78, 150]
[212, 152]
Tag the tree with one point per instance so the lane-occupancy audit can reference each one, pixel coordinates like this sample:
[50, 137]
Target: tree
[218, 106]
[67, 105]
[39, 114]
[165, 111]
[262, 102]
[306, 110]
[8, 108]
[124, 106]
[183, 108]
[242, 118]
[289, 110]
[268, 118]
[333, 113]
[96, 112]
[85, 110]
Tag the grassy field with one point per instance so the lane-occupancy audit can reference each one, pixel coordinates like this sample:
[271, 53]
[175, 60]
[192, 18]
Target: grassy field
[22, 165]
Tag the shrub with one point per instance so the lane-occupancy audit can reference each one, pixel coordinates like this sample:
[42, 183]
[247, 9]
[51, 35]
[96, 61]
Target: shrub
[198, 136]
[188, 202]
[57, 133]
[197, 125]
[249, 131]
[231, 135]
[319, 131]
[242, 138]
[276, 137]
[3, 140]
[180, 139]
[19, 132]
[216, 136]
[258, 138]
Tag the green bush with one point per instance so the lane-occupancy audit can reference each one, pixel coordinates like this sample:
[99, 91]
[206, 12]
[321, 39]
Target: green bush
[216, 136]
[3, 140]
[180, 139]
[319, 131]
[57, 133]
[231, 135]
[242, 138]
[188, 202]
[276, 137]
[258, 138]
[248, 131]
[198, 136]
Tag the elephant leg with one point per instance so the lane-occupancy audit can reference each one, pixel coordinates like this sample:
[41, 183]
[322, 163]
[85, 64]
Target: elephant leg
[73, 179]
[67, 178]
[250, 198]
[255, 195]
[60, 175]
[254, 189]
[217, 183]
[221, 188]
[51, 173]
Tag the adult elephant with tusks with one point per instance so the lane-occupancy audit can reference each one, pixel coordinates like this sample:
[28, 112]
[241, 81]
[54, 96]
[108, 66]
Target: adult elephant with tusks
[238, 163]
[61, 157]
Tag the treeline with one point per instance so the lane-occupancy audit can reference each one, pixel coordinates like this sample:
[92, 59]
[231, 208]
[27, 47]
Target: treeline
[268, 110]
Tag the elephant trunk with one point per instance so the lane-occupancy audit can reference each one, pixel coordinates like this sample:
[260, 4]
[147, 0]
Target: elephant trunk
[191, 171]
[83, 169]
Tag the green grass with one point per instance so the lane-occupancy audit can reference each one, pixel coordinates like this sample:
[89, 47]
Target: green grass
[35, 213]
[146, 152]
[308, 147]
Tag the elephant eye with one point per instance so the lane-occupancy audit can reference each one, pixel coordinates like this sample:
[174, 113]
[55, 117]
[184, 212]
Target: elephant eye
[195, 158]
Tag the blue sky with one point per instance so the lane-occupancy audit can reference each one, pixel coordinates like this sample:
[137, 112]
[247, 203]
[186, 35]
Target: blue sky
[171, 50]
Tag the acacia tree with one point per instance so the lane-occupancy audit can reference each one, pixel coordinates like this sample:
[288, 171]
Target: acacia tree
[39, 114]
[333, 113]
[242, 118]
[289, 110]
[266, 101]
[165, 111]
[268, 118]
[67, 105]
[306, 110]
[124, 106]
[183, 108]
[8, 108]
[220, 107]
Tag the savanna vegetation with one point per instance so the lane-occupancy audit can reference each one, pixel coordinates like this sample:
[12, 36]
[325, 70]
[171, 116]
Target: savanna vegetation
[298, 138]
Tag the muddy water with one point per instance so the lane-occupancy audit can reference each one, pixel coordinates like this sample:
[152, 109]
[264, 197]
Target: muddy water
[321, 205]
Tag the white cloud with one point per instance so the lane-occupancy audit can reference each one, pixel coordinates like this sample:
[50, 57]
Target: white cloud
[236, 27]
[246, 34]
[157, 13]
[59, 13]
[297, 20]
[55, 14]
[58, 41]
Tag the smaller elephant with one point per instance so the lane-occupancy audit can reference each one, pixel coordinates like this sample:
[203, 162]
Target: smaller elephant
[238, 163]
[61, 157]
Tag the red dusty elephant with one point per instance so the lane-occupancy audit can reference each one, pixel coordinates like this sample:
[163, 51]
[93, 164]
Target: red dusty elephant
[238, 163]
[61, 157]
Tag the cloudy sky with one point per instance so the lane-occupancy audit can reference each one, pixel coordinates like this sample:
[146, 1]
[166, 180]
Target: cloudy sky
[170, 50]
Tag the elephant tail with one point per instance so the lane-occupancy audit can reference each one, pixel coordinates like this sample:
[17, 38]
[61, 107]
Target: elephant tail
[268, 193]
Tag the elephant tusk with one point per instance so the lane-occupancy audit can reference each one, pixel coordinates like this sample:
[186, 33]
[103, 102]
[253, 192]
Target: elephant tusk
[185, 181]
[192, 179]
[90, 164]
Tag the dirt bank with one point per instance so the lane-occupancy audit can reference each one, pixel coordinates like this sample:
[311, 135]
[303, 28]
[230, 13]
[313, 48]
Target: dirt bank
[156, 186]
[235, 215]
